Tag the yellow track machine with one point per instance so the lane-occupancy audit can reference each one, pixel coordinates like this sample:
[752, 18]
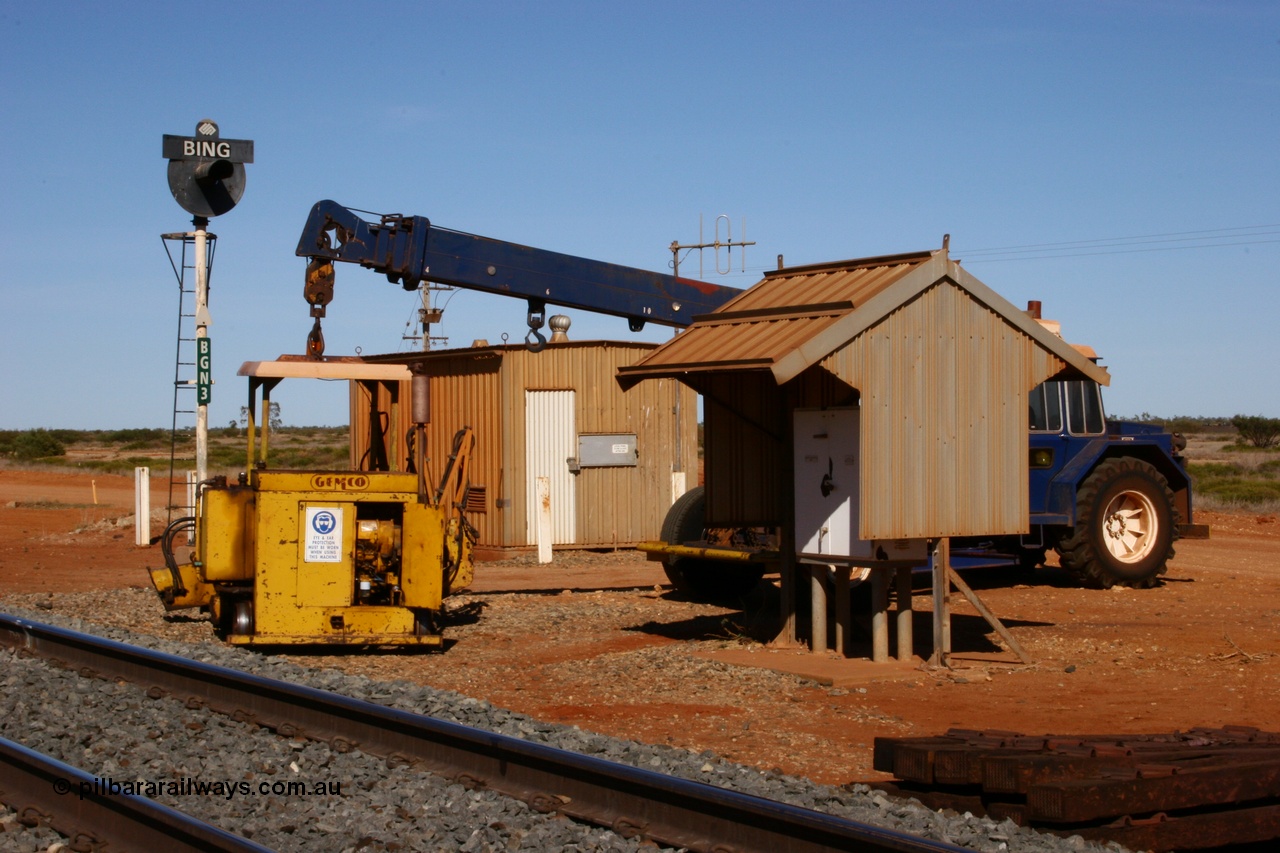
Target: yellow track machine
[352, 558]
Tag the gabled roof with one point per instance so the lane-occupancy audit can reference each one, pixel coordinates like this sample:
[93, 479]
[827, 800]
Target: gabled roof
[796, 317]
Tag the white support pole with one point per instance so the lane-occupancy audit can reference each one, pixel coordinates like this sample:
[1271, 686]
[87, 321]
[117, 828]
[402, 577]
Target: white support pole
[678, 485]
[142, 506]
[202, 331]
[191, 504]
[543, 489]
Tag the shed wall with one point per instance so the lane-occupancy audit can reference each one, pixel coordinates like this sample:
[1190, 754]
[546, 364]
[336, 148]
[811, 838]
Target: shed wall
[464, 392]
[944, 382]
[485, 389]
[622, 505]
[748, 439]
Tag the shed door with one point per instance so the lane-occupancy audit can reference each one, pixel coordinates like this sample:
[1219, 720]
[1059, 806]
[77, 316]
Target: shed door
[550, 439]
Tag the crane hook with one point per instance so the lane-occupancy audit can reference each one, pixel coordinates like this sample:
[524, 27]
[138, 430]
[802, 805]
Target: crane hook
[315, 341]
[534, 341]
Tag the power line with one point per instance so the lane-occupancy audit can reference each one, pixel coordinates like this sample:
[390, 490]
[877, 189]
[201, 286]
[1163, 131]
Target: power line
[1210, 238]
[1085, 254]
[1170, 241]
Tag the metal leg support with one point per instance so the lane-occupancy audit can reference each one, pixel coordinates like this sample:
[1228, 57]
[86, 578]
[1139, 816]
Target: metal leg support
[844, 612]
[902, 578]
[879, 615]
[818, 602]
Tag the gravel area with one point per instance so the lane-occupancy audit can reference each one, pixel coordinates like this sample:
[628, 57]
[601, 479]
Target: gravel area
[112, 731]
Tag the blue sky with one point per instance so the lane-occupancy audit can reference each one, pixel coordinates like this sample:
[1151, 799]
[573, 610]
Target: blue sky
[1136, 143]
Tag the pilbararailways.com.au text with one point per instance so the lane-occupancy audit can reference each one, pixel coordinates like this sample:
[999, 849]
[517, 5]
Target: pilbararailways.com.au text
[191, 787]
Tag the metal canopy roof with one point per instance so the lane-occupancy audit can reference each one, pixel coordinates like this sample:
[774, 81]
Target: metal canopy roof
[796, 317]
[300, 367]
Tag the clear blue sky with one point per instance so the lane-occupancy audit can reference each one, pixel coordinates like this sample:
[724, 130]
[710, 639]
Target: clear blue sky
[1138, 140]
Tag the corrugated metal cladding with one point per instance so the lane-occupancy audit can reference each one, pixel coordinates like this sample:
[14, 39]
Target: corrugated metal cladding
[817, 296]
[941, 364]
[485, 388]
[622, 505]
[825, 283]
[464, 392]
[944, 383]
[747, 434]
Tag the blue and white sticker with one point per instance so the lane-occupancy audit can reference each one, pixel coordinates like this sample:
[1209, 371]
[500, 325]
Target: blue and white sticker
[322, 541]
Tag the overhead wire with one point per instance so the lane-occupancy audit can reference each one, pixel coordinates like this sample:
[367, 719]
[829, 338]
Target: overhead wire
[1212, 238]
[1166, 242]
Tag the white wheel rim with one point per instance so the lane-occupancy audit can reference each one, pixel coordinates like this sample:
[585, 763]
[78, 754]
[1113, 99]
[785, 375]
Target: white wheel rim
[1129, 527]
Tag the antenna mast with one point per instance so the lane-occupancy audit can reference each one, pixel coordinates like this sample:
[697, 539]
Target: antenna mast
[727, 244]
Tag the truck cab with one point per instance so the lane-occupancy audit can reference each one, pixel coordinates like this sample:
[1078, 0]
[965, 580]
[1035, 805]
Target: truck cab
[1110, 496]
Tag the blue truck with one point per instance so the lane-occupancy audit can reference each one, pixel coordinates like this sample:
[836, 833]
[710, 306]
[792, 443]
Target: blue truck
[1110, 496]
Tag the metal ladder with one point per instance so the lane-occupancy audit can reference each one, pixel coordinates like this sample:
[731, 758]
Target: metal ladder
[180, 247]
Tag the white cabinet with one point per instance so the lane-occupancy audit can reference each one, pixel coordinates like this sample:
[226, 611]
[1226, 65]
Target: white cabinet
[828, 493]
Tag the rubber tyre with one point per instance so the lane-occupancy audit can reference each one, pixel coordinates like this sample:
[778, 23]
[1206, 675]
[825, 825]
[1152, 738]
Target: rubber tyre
[702, 580]
[1125, 526]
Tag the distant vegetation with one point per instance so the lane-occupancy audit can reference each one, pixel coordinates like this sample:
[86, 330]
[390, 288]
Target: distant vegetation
[1235, 462]
[1184, 424]
[1258, 431]
[122, 450]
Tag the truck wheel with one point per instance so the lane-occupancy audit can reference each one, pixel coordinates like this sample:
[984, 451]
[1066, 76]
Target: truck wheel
[1125, 526]
[700, 579]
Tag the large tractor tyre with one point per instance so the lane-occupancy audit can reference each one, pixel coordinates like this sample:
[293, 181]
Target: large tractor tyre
[702, 579]
[1125, 526]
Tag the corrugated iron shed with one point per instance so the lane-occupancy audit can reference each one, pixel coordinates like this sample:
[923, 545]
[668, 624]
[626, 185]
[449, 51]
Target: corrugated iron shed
[939, 364]
[499, 391]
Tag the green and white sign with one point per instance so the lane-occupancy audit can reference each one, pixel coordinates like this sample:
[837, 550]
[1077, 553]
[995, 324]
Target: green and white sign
[204, 371]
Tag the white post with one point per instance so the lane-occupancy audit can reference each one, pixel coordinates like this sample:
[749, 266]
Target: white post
[202, 331]
[191, 504]
[142, 506]
[543, 488]
[678, 485]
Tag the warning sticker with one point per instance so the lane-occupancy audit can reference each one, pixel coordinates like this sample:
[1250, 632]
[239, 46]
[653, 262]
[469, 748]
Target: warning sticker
[322, 542]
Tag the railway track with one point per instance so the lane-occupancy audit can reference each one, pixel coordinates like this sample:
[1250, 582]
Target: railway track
[633, 803]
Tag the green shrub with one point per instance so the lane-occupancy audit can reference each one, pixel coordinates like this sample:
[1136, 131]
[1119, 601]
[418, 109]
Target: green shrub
[1257, 430]
[1243, 491]
[37, 444]
[1212, 470]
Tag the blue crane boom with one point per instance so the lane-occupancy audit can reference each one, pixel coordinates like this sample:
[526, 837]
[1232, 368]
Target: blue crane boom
[410, 250]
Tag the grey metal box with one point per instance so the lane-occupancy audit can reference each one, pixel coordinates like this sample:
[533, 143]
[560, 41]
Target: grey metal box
[608, 450]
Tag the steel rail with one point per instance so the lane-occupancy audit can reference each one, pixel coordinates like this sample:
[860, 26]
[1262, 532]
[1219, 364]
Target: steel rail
[45, 791]
[633, 802]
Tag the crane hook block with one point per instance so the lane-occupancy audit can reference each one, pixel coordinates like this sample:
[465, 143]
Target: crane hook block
[319, 286]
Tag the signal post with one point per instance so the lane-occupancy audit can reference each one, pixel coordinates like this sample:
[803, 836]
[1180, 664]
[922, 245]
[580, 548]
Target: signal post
[206, 177]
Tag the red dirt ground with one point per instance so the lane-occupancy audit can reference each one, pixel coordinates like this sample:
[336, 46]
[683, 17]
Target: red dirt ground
[1201, 649]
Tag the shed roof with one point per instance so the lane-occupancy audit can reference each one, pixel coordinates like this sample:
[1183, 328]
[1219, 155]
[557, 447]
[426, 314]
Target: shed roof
[796, 317]
[333, 367]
